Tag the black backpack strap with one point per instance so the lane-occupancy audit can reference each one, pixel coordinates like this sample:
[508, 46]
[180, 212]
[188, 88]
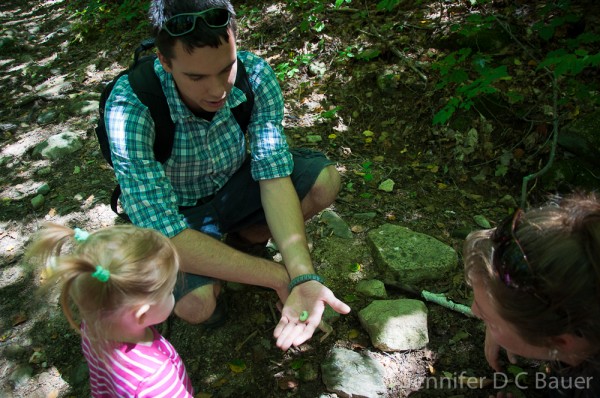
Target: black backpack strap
[114, 201]
[243, 111]
[146, 85]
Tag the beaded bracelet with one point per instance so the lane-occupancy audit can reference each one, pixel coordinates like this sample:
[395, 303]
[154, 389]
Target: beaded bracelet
[304, 278]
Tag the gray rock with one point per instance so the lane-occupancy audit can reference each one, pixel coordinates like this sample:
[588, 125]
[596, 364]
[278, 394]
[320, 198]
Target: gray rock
[396, 325]
[410, 257]
[59, 146]
[8, 127]
[371, 288]
[47, 117]
[351, 374]
[21, 375]
[336, 224]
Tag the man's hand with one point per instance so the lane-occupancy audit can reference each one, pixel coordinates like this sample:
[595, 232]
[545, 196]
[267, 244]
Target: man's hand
[311, 297]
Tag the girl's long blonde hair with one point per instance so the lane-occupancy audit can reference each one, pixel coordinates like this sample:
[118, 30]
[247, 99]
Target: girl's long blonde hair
[142, 264]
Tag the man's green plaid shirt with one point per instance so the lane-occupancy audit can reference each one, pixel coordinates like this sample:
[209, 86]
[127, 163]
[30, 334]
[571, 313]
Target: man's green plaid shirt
[205, 153]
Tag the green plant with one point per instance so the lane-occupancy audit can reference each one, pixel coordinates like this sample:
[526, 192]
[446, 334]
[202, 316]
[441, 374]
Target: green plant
[309, 11]
[467, 87]
[290, 69]
[338, 3]
[367, 172]
[387, 5]
[109, 15]
[556, 62]
[330, 114]
[348, 52]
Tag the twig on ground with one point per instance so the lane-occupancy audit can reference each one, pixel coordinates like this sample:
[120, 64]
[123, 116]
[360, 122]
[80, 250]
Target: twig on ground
[437, 298]
[325, 328]
[239, 346]
[273, 314]
[407, 60]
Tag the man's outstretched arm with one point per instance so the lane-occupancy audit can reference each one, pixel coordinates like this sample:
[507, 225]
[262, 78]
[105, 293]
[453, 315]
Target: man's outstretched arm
[203, 255]
[286, 223]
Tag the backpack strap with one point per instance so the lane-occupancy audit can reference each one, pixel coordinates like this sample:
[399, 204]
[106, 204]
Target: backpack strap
[243, 112]
[146, 85]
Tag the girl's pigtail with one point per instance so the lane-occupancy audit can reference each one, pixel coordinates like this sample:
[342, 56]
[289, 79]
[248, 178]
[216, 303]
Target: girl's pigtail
[80, 235]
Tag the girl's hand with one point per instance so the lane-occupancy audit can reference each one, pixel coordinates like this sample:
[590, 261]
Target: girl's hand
[492, 350]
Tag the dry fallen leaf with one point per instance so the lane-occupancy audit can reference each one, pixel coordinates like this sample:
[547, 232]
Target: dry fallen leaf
[19, 319]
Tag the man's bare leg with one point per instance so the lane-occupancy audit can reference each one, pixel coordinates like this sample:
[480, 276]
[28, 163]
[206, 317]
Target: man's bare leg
[323, 193]
[198, 305]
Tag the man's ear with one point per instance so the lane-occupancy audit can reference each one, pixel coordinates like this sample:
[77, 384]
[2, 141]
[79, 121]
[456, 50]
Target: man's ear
[140, 313]
[166, 64]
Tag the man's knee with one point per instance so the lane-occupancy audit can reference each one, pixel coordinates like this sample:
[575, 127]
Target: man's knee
[324, 190]
[197, 306]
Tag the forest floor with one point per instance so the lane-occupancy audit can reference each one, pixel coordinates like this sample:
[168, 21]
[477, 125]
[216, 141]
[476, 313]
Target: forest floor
[372, 116]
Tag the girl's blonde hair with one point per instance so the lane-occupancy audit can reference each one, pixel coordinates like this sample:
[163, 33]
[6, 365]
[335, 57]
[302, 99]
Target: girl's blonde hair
[561, 242]
[142, 266]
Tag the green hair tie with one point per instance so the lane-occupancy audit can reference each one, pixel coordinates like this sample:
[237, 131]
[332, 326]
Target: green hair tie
[81, 235]
[101, 274]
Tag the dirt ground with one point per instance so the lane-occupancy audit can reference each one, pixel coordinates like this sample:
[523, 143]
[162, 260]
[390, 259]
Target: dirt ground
[50, 80]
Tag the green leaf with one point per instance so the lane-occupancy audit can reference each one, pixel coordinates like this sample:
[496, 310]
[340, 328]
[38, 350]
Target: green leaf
[368, 54]
[482, 221]
[546, 32]
[330, 113]
[461, 335]
[501, 170]
[387, 185]
[514, 96]
[443, 115]
[297, 363]
[354, 267]
[237, 365]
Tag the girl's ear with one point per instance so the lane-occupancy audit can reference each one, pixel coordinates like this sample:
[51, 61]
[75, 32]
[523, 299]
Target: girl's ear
[571, 347]
[140, 313]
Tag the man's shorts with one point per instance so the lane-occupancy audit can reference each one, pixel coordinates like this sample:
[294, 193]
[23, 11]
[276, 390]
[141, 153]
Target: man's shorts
[238, 205]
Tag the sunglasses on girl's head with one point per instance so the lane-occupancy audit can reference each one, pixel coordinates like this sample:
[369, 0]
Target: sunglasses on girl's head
[182, 24]
[510, 261]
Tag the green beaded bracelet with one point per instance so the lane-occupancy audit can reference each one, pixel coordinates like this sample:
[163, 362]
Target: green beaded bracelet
[304, 278]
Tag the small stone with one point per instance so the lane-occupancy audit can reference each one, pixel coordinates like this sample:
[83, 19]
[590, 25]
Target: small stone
[43, 189]
[38, 201]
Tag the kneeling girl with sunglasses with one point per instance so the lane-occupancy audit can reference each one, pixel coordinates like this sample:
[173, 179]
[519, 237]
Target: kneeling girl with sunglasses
[536, 285]
[121, 280]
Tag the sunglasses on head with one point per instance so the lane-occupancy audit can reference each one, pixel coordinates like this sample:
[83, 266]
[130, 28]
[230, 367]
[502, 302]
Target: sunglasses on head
[510, 260]
[182, 24]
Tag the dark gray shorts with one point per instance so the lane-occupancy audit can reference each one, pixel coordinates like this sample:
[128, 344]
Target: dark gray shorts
[238, 205]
